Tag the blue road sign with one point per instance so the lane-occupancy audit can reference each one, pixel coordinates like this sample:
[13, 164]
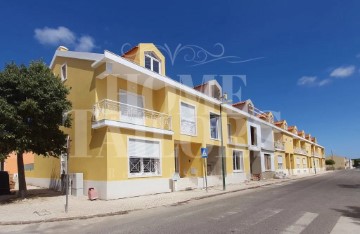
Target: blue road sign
[204, 153]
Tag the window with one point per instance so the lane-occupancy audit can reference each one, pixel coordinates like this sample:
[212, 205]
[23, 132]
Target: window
[144, 157]
[253, 135]
[132, 108]
[63, 72]
[187, 119]
[214, 126]
[152, 62]
[297, 162]
[267, 159]
[238, 164]
[304, 163]
[280, 162]
[229, 133]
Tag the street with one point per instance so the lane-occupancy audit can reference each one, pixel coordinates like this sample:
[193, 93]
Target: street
[328, 203]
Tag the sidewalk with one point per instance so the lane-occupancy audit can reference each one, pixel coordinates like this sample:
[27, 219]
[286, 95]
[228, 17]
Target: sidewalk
[48, 206]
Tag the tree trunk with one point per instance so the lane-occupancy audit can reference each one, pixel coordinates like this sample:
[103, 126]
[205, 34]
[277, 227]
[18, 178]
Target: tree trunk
[21, 175]
[2, 165]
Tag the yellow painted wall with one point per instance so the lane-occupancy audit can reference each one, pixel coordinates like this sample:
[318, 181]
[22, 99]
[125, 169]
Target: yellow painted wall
[238, 130]
[288, 141]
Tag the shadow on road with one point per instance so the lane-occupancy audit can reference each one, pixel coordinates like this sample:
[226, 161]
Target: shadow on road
[352, 212]
[349, 185]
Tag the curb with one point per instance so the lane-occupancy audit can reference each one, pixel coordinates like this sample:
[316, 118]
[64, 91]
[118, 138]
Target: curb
[128, 211]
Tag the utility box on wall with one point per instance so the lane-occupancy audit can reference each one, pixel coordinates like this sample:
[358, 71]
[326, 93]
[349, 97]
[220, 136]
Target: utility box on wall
[77, 184]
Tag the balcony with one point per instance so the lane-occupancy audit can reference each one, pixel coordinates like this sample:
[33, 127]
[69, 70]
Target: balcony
[300, 151]
[316, 154]
[279, 145]
[117, 114]
[235, 141]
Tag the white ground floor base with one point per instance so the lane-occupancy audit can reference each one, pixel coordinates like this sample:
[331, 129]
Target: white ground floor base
[199, 182]
[129, 188]
[300, 171]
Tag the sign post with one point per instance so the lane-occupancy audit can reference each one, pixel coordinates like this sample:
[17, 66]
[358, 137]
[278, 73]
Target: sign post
[204, 156]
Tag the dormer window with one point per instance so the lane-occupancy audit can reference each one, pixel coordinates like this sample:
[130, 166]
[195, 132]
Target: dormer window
[152, 62]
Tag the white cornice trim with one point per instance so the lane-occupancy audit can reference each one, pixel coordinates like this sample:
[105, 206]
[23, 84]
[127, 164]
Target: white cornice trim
[76, 55]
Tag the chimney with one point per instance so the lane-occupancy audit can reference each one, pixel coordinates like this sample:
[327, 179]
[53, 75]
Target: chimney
[62, 48]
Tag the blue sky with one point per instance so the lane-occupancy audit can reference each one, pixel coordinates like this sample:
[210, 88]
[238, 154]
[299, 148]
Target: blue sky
[309, 50]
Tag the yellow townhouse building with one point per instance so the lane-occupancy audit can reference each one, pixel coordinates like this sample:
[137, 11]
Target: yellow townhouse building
[136, 131]
[298, 149]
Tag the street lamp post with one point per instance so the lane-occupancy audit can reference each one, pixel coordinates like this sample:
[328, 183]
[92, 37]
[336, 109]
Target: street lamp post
[223, 99]
[222, 150]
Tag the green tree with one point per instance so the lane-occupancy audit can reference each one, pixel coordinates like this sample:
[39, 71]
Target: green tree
[32, 104]
[329, 162]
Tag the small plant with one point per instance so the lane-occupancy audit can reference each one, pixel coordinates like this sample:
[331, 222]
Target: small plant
[329, 162]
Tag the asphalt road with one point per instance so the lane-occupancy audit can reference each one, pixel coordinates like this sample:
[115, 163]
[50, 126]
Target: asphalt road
[328, 203]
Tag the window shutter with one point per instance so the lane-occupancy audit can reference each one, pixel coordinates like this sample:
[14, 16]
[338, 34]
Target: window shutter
[187, 112]
[143, 148]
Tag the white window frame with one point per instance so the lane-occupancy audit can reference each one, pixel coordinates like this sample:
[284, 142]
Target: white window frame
[152, 59]
[241, 162]
[195, 113]
[229, 132]
[218, 126]
[62, 75]
[137, 175]
[270, 157]
[304, 163]
[282, 162]
[258, 134]
[298, 162]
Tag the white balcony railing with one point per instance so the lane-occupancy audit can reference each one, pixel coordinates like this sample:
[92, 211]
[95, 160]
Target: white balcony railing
[316, 154]
[117, 111]
[300, 151]
[279, 145]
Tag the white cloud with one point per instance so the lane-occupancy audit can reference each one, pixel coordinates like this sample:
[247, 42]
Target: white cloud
[85, 43]
[312, 81]
[324, 82]
[55, 36]
[64, 36]
[343, 72]
[307, 80]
